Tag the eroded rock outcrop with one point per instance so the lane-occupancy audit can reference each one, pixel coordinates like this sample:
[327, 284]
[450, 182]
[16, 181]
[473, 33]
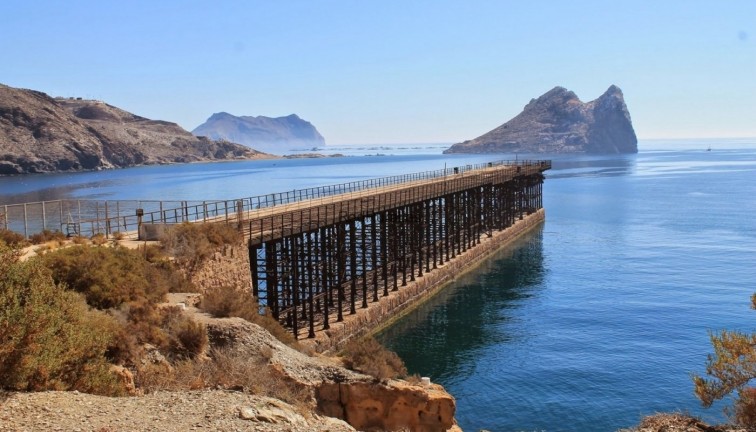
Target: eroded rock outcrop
[558, 122]
[360, 400]
[40, 134]
[391, 406]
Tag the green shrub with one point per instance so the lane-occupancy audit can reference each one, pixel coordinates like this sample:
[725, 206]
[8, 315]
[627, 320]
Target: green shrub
[226, 301]
[49, 338]
[368, 356]
[108, 277]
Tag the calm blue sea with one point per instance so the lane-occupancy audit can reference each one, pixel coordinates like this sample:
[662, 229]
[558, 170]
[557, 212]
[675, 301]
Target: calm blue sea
[586, 324]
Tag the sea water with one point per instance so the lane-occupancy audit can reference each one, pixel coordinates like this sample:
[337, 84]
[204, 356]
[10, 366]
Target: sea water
[600, 316]
[587, 323]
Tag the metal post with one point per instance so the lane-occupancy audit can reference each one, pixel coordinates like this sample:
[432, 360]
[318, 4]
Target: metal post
[26, 223]
[324, 276]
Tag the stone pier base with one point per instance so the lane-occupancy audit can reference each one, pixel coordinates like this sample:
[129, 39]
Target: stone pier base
[398, 303]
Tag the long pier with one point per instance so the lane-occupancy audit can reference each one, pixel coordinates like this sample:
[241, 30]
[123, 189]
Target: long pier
[316, 262]
[323, 255]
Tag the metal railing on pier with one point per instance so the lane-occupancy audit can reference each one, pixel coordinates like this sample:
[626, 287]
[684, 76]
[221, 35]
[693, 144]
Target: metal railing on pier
[91, 217]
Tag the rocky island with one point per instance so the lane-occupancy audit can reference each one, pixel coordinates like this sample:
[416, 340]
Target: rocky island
[276, 135]
[558, 122]
[39, 134]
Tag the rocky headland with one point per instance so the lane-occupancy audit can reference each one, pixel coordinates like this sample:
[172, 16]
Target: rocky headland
[558, 122]
[277, 135]
[40, 134]
[335, 398]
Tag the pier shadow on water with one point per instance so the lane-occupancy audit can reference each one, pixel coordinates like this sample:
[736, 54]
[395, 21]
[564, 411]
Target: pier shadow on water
[439, 338]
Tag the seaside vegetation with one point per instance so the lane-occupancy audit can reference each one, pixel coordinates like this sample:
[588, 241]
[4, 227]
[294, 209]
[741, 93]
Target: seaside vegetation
[49, 338]
[74, 318]
[224, 301]
[190, 244]
[368, 356]
[730, 369]
[68, 316]
[13, 239]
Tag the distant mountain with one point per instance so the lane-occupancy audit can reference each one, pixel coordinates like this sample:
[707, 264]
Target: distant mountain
[558, 122]
[40, 134]
[273, 135]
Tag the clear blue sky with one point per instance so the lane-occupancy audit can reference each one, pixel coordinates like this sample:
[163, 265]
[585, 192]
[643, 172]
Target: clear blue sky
[392, 71]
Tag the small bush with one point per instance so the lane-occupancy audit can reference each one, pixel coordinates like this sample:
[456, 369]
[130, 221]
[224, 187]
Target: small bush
[13, 239]
[49, 246]
[152, 253]
[178, 281]
[414, 379]
[79, 240]
[117, 236]
[368, 356]
[745, 408]
[98, 239]
[108, 277]
[226, 301]
[187, 338]
[193, 243]
[224, 369]
[49, 338]
[48, 236]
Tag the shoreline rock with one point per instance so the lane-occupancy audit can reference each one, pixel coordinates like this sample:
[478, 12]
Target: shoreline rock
[558, 122]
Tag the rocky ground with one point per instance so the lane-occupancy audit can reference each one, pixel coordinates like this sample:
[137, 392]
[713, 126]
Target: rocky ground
[678, 422]
[335, 393]
[216, 410]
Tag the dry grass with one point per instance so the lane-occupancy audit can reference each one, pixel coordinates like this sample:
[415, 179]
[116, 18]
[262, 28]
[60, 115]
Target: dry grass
[47, 236]
[368, 356]
[12, 238]
[228, 370]
[414, 379]
[79, 240]
[191, 244]
[224, 302]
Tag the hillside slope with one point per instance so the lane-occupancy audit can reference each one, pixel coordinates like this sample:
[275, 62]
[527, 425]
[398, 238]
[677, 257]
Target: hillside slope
[41, 134]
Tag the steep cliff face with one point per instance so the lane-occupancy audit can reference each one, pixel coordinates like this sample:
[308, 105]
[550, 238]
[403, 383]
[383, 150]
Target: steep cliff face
[360, 400]
[273, 135]
[40, 134]
[558, 122]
